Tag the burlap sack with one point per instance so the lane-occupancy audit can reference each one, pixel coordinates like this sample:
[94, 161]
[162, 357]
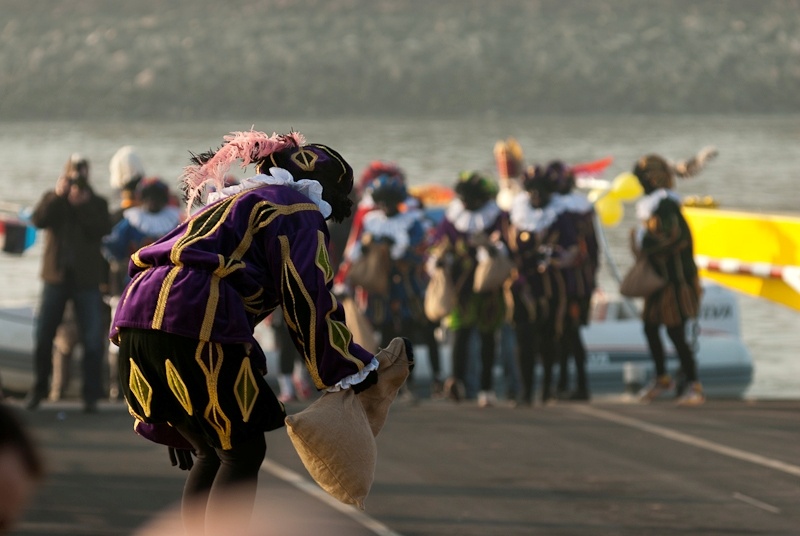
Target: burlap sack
[371, 270]
[395, 364]
[334, 440]
[491, 273]
[440, 295]
[641, 280]
[359, 326]
[335, 436]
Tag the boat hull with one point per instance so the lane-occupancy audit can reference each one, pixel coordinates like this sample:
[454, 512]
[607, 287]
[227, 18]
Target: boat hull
[752, 239]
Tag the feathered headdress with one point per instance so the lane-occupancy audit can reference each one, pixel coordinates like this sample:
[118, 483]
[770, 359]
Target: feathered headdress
[694, 165]
[249, 147]
[375, 169]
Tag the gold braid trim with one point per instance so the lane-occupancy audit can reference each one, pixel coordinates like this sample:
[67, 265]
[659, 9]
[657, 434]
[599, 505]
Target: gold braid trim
[246, 389]
[140, 388]
[178, 387]
[198, 228]
[138, 261]
[307, 338]
[163, 295]
[261, 215]
[225, 268]
[295, 292]
[213, 412]
[252, 303]
[134, 282]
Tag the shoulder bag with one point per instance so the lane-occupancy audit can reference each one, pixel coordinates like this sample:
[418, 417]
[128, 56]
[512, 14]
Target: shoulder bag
[641, 280]
[371, 270]
[492, 272]
[440, 295]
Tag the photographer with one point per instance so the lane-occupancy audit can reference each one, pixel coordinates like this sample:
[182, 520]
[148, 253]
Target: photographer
[75, 220]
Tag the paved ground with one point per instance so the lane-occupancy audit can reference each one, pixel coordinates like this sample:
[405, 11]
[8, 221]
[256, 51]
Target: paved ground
[605, 468]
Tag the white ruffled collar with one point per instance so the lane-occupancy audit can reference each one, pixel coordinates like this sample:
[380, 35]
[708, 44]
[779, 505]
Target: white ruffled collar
[509, 188]
[153, 223]
[472, 221]
[277, 177]
[396, 227]
[527, 218]
[649, 203]
[571, 202]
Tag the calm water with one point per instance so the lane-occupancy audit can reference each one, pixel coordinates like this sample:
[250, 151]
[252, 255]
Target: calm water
[758, 169]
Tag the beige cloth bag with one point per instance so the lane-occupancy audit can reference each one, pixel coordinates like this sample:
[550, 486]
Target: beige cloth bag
[491, 273]
[371, 270]
[335, 436]
[440, 295]
[394, 366]
[360, 327]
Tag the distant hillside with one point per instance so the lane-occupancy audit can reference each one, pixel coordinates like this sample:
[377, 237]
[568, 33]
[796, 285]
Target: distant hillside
[214, 59]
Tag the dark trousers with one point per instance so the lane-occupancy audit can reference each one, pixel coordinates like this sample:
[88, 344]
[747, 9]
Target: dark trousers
[461, 356]
[88, 314]
[423, 332]
[215, 473]
[536, 338]
[677, 334]
[572, 345]
[533, 342]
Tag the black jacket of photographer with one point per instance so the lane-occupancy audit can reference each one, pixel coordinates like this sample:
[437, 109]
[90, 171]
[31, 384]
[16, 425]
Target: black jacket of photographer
[73, 234]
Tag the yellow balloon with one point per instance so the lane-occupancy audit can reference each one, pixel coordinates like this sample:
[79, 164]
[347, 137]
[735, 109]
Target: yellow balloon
[595, 194]
[626, 187]
[609, 210]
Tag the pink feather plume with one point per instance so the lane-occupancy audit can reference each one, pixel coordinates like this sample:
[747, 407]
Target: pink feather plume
[249, 146]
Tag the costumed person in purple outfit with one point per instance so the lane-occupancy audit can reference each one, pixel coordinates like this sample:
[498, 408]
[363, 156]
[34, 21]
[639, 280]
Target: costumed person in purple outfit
[541, 241]
[403, 229]
[191, 369]
[579, 276]
[473, 226]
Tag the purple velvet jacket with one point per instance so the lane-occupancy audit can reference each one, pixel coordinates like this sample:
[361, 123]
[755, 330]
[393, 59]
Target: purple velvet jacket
[219, 274]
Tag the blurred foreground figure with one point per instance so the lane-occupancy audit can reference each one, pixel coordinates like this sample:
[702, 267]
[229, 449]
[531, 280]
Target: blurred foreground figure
[21, 469]
[280, 517]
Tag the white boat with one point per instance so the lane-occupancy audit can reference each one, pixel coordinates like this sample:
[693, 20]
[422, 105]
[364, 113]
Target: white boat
[16, 348]
[619, 359]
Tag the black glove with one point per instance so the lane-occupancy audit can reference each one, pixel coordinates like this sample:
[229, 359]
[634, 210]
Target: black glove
[181, 457]
[369, 381]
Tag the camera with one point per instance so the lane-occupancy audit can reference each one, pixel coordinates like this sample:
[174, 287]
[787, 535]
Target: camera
[78, 181]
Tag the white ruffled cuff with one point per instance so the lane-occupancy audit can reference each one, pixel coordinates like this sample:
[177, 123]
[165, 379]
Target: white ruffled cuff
[353, 379]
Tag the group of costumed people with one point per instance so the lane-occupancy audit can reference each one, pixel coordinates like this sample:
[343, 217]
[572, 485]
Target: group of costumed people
[534, 217]
[548, 235]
